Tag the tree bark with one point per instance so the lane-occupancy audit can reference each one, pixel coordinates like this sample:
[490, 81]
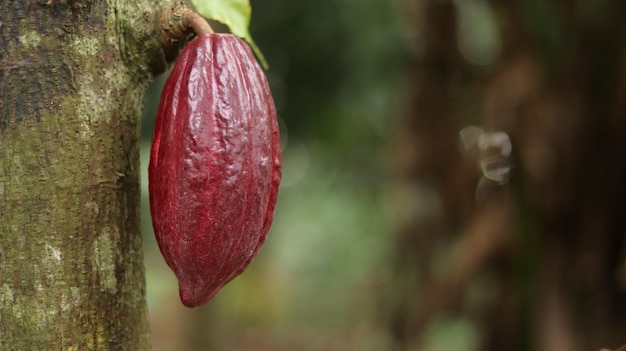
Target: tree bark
[71, 265]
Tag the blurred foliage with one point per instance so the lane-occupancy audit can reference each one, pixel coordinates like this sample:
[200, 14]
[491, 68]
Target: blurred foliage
[336, 76]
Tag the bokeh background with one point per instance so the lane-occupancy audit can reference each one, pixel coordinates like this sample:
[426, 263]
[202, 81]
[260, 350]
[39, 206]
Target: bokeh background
[454, 180]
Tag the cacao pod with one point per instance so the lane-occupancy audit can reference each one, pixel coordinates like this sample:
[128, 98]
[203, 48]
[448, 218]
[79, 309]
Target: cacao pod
[215, 165]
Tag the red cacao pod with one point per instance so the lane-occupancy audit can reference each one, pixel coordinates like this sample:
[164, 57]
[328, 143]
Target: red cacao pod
[215, 165]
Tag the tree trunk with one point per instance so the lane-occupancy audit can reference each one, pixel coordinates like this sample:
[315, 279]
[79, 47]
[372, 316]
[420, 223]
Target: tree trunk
[71, 265]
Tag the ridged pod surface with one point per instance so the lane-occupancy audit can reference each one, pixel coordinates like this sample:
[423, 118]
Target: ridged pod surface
[215, 165]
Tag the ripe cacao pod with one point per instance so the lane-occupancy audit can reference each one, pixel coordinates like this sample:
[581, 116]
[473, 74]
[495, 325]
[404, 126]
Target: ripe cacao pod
[215, 165]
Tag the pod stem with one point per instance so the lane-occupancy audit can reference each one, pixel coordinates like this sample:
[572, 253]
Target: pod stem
[196, 22]
[178, 23]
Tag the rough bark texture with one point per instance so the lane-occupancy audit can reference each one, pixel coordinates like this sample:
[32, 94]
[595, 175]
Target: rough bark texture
[71, 267]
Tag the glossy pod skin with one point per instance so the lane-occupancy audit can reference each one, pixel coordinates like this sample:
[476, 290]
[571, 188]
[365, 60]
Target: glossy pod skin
[215, 165]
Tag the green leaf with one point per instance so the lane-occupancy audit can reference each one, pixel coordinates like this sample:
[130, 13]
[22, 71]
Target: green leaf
[233, 13]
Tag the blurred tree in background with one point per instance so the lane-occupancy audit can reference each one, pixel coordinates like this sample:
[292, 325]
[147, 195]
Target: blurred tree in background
[388, 235]
[536, 262]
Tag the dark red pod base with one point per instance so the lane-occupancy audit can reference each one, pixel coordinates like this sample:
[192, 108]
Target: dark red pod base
[215, 165]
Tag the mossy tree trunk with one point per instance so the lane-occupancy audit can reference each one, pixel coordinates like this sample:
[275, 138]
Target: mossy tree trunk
[72, 74]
